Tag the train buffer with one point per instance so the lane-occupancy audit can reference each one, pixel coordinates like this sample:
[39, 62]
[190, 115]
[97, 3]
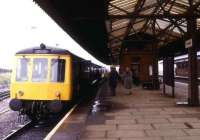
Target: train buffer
[144, 114]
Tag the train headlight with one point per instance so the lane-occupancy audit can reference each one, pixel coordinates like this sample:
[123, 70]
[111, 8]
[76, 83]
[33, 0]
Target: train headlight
[57, 93]
[20, 93]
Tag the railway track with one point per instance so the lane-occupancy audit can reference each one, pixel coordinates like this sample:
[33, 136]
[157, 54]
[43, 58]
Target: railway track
[37, 130]
[20, 129]
[4, 111]
[4, 95]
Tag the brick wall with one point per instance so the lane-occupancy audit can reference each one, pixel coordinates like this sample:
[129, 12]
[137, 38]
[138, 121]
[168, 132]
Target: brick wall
[145, 59]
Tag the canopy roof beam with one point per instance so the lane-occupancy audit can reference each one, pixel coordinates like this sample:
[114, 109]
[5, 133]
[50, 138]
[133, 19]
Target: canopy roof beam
[153, 16]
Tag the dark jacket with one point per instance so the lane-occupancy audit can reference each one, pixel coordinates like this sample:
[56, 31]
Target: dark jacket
[113, 78]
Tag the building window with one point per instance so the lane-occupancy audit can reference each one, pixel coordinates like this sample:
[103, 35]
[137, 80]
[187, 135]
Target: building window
[150, 70]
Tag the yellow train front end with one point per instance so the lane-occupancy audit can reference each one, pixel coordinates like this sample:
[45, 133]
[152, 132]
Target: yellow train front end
[35, 77]
[41, 82]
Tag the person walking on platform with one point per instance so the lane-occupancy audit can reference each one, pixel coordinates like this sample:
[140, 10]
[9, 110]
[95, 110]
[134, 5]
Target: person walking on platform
[113, 79]
[128, 80]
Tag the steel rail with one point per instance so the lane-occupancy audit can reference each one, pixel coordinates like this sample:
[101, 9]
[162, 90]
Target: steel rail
[4, 95]
[15, 132]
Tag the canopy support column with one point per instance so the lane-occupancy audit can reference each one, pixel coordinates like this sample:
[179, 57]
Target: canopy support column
[193, 93]
[155, 68]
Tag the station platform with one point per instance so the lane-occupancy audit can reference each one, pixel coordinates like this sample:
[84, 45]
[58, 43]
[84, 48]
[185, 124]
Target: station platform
[143, 115]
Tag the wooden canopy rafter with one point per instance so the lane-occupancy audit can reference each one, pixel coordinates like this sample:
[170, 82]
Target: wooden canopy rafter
[164, 20]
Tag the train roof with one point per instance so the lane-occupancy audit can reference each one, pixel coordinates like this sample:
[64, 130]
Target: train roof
[43, 49]
[184, 58]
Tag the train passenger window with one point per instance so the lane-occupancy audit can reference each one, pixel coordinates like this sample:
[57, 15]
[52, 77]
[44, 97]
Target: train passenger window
[57, 70]
[40, 70]
[22, 69]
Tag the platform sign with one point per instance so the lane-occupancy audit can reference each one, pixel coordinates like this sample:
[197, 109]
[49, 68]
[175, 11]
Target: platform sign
[188, 43]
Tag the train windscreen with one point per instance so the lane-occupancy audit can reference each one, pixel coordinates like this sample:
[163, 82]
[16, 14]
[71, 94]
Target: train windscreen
[22, 69]
[57, 70]
[40, 70]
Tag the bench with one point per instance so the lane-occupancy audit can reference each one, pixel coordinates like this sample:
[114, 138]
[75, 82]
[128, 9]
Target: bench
[147, 85]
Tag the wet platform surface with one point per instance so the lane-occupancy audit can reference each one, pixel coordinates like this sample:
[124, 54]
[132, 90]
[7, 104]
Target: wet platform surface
[143, 115]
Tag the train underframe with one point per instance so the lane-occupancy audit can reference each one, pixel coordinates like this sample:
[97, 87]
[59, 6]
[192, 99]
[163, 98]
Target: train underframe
[38, 110]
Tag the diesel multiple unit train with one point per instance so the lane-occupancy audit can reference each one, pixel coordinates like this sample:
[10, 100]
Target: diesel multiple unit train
[182, 65]
[45, 79]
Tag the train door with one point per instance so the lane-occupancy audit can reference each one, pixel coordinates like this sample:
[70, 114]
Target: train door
[60, 77]
[76, 70]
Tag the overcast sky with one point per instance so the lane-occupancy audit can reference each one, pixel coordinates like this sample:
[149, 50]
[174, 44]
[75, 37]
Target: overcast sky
[23, 24]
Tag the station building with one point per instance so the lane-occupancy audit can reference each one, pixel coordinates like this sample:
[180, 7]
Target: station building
[136, 34]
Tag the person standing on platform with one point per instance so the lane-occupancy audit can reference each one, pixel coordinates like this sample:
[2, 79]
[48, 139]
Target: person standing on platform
[113, 79]
[121, 74]
[128, 80]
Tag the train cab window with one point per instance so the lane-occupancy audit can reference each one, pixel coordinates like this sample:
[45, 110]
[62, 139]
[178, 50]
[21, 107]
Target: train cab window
[22, 69]
[40, 70]
[57, 70]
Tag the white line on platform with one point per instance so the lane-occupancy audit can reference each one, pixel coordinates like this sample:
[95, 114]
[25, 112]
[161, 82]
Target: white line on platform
[181, 83]
[185, 84]
[53, 131]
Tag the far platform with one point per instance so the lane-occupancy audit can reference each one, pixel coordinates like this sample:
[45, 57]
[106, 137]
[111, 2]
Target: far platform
[143, 115]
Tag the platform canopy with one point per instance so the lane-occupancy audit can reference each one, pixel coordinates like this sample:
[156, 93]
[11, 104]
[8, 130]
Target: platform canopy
[101, 26]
